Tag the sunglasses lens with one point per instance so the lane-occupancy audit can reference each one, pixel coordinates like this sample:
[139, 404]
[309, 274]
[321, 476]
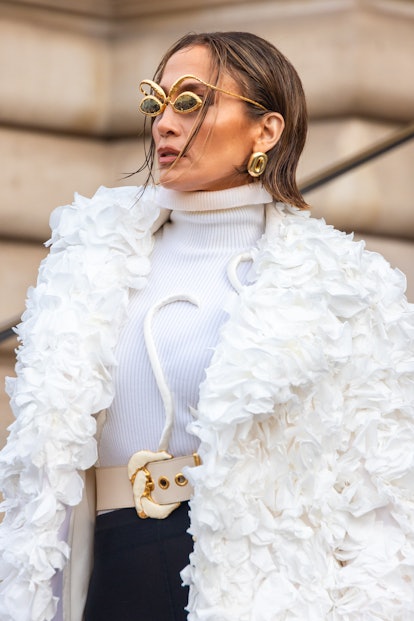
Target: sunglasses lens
[150, 105]
[187, 102]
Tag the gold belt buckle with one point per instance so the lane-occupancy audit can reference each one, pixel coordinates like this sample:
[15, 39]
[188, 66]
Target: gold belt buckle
[143, 485]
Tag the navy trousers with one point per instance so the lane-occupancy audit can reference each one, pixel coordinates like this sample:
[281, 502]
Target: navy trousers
[136, 567]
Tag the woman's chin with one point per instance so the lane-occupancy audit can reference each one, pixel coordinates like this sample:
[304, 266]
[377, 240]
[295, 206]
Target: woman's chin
[178, 183]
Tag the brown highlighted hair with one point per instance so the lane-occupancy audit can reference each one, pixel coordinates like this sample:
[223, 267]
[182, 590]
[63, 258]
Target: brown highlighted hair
[266, 76]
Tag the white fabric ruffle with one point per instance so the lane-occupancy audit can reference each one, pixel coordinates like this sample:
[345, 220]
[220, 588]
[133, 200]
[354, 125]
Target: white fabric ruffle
[303, 507]
[100, 250]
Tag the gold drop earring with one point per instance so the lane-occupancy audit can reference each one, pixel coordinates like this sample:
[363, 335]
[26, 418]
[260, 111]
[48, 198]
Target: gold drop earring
[257, 164]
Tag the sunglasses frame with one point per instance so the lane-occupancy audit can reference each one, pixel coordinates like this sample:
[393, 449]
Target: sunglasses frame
[163, 99]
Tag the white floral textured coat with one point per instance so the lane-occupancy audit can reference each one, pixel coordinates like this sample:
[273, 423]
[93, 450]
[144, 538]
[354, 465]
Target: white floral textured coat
[303, 508]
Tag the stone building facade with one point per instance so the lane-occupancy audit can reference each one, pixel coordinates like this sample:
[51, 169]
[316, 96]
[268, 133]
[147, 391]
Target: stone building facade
[69, 74]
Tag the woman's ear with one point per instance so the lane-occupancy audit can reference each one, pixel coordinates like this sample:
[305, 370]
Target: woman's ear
[270, 128]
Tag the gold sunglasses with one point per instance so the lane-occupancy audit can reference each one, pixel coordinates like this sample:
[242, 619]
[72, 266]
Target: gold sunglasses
[155, 101]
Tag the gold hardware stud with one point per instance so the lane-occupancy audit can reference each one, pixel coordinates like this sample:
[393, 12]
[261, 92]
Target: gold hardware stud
[163, 482]
[180, 479]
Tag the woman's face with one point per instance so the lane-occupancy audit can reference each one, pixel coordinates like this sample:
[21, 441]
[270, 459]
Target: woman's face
[225, 139]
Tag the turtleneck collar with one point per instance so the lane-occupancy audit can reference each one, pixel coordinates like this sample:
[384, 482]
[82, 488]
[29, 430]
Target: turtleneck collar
[248, 194]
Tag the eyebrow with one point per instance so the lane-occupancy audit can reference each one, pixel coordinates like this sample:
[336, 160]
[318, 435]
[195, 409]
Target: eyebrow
[185, 86]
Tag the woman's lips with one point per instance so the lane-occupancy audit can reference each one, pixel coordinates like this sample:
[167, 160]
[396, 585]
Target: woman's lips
[167, 155]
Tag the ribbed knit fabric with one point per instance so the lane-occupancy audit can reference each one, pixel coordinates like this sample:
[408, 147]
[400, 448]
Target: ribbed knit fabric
[190, 258]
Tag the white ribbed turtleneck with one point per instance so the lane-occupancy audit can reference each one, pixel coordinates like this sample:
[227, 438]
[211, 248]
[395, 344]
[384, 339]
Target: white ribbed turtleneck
[190, 258]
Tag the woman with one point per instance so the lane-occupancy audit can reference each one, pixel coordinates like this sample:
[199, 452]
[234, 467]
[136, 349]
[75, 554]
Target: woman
[272, 345]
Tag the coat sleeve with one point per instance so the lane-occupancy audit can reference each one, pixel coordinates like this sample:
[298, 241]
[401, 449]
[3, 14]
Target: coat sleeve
[303, 507]
[100, 250]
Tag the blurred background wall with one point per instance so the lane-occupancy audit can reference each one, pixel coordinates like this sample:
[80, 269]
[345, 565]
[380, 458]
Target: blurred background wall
[69, 75]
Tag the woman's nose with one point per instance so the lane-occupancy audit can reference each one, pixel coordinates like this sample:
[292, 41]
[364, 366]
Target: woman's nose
[167, 123]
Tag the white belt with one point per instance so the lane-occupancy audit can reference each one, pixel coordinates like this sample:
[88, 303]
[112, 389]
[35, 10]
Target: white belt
[155, 486]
